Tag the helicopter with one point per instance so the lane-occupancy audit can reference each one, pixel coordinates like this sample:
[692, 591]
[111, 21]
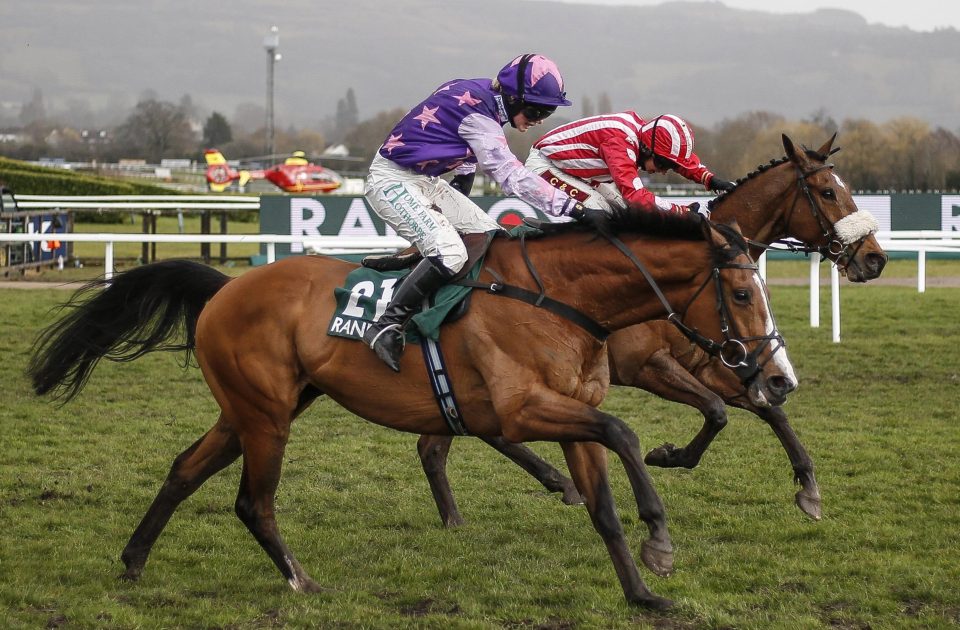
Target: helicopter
[295, 175]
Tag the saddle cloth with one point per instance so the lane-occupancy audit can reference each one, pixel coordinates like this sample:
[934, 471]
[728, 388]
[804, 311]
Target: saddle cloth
[366, 293]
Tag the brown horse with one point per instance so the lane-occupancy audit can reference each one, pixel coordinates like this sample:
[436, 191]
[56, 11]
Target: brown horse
[798, 196]
[520, 372]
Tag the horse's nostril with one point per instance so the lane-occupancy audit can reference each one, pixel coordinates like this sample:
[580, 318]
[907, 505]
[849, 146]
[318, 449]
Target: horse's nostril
[876, 262]
[780, 385]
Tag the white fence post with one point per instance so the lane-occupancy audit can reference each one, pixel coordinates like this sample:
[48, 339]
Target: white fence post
[835, 302]
[921, 270]
[762, 266]
[108, 260]
[815, 290]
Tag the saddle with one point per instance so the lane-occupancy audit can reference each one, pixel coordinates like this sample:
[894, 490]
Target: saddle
[476, 244]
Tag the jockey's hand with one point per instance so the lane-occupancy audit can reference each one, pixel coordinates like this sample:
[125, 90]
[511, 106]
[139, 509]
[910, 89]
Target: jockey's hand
[592, 217]
[463, 183]
[703, 211]
[721, 185]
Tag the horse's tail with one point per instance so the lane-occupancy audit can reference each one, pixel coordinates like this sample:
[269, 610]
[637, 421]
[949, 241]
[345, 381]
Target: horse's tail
[142, 310]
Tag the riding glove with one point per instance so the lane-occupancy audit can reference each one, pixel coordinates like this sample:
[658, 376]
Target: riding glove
[593, 217]
[721, 185]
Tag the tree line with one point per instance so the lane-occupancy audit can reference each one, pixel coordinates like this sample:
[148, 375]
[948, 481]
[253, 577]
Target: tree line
[900, 154]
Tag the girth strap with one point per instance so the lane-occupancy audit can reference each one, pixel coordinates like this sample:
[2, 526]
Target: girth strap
[442, 388]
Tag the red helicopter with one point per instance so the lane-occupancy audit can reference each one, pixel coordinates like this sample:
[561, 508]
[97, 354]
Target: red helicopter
[296, 174]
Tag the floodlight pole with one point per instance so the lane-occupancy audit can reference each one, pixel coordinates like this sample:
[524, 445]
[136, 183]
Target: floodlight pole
[271, 42]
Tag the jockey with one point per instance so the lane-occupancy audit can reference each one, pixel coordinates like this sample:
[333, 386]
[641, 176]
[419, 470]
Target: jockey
[598, 160]
[457, 128]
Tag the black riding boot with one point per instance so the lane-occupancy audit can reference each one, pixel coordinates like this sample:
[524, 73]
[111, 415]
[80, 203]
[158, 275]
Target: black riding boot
[385, 336]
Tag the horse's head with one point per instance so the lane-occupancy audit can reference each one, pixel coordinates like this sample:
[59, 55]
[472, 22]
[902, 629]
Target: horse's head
[735, 322]
[801, 197]
[824, 215]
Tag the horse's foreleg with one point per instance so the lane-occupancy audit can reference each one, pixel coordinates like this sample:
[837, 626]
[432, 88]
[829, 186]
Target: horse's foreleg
[433, 451]
[808, 497]
[551, 478]
[664, 376]
[588, 466]
[551, 416]
[207, 456]
[262, 460]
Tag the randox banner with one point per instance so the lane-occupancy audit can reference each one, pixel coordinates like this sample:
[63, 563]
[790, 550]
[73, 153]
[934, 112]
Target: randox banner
[335, 215]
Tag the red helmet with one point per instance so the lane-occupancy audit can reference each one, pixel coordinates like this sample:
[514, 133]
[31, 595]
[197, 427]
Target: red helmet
[533, 79]
[670, 137]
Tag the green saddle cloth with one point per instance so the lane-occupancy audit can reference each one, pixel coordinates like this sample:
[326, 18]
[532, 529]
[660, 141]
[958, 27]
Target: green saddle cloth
[366, 291]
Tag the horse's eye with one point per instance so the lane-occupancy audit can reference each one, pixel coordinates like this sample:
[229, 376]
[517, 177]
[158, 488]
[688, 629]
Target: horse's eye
[741, 296]
[829, 194]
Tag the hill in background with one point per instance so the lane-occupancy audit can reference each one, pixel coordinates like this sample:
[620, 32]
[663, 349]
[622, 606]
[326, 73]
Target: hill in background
[704, 60]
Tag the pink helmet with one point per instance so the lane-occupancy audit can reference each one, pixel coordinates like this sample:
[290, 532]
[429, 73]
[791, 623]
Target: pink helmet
[670, 137]
[533, 79]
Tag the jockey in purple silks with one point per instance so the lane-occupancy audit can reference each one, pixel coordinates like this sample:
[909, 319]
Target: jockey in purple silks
[457, 128]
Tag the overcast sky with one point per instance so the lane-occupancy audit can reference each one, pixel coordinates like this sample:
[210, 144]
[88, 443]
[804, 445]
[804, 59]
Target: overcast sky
[919, 15]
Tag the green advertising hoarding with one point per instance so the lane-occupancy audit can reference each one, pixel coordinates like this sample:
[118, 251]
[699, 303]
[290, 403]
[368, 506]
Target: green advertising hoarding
[341, 215]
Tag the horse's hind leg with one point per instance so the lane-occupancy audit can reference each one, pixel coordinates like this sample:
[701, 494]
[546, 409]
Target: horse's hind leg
[551, 478]
[207, 456]
[262, 460]
[433, 451]
[588, 466]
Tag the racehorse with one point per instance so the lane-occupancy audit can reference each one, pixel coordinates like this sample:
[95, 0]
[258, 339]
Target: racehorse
[521, 372]
[798, 196]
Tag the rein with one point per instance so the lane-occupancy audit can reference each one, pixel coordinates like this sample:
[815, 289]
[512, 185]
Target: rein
[732, 351]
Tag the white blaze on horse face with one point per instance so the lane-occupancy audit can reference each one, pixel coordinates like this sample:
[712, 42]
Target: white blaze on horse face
[780, 358]
[839, 181]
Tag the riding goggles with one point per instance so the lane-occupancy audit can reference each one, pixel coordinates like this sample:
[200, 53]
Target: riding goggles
[535, 113]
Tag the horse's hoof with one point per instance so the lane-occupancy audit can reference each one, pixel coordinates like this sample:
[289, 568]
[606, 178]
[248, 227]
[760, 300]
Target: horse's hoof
[660, 561]
[652, 602]
[130, 575]
[571, 496]
[306, 584]
[663, 456]
[809, 504]
[453, 520]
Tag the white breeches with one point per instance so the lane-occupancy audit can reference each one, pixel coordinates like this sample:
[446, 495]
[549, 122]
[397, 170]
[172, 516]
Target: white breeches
[425, 210]
[604, 197]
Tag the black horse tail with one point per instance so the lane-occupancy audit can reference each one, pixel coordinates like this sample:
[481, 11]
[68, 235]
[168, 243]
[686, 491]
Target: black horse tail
[148, 308]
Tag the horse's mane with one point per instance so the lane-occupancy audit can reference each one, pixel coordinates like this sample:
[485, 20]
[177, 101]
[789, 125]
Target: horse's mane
[649, 222]
[763, 168]
[738, 244]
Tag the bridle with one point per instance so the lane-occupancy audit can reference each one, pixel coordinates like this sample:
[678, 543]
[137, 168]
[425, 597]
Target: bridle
[833, 248]
[732, 351]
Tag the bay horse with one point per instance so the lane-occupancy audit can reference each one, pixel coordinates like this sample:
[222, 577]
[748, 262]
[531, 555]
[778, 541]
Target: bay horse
[798, 196]
[520, 372]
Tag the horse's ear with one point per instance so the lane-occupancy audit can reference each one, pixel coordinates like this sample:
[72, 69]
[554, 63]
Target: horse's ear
[825, 149]
[788, 146]
[713, 236]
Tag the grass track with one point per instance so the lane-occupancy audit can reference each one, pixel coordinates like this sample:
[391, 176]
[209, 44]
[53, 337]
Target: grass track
[878, 413]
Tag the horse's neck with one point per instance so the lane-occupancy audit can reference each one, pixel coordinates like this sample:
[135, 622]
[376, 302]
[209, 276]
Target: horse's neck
[759, 205]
